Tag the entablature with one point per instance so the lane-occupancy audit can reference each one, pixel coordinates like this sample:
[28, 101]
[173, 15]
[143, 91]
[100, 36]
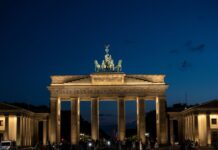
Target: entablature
[105, 90]
[107, 79]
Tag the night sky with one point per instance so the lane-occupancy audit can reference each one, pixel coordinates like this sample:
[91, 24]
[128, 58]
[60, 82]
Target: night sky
[42, 38]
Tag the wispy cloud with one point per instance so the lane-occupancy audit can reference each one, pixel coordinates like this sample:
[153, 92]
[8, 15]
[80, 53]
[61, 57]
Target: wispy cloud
[185, 65]
[188, 49]
[198, 48]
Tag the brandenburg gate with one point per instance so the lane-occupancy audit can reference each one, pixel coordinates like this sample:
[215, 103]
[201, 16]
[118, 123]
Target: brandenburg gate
[107, 83]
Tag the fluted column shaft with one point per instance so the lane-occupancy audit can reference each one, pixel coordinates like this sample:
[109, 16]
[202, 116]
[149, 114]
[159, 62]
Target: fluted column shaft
[171, 132]
[180, 129]
[95, 118]
[121, 119]
[36, 129]
[45, 132]
[196, 128]
[208, 130]
[23, 142]
[75, 121]
[6, 132]
[53, 120]
[161, 118]
[140, 104]
[58, 120]
[19, 130]
[28, 131]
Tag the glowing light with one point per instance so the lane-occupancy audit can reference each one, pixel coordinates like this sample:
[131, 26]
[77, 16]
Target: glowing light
[108, 143]
[90, 144]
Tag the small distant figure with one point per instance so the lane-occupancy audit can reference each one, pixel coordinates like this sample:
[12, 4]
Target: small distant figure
[48, 147]
[156, 146]
[148, 145]
[196, 145]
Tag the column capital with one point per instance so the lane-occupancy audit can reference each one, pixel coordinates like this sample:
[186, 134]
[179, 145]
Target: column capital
[18, 115]
[53, 98]
[73, 98]
[120, 97]
[140, 98]
[94, 98]
[208, 113]
[195, 113]
[6, 114]
[161, 98]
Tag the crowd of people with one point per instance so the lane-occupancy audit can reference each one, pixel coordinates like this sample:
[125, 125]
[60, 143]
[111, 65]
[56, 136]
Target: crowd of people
[102, 145]
[189, 145]
[116, 145]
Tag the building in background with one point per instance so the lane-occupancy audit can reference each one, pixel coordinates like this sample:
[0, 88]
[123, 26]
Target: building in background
[198, 124]
[23, 126]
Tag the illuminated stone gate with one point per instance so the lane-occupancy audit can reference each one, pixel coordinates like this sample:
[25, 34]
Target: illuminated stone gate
[107, 83]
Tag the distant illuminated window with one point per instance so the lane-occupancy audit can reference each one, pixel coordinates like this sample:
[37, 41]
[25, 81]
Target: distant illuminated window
[1, 122]
[213, 121]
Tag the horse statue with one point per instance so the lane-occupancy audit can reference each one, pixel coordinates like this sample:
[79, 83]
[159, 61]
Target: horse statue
[111, 65]
[103, 65]
[119, 66]
[97, 66]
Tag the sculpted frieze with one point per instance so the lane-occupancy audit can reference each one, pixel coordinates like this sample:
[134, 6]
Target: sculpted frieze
[106, 90]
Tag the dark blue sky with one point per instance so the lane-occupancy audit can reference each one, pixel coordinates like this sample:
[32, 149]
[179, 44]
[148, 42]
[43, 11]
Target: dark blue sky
[43, 38]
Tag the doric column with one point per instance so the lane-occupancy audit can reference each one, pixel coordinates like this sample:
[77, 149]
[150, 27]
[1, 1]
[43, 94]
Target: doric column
[171, 132]
[31, 131]
[58, 120]
[19, 130]
[185, 127]
[44, 132]
[140, 119]
[36, 131]
[27, 131]
[6, 132]
[161, 120]
[208, 130]
[55, 123]
[95, 118]
[180, 129]
[188, 127]
[193, 133]
[196, 127]
[29, 128]
[23, 131]
[121, 119]
[75, 121]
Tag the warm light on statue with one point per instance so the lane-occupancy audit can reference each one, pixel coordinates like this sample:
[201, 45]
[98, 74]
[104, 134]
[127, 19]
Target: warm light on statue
[107, 64]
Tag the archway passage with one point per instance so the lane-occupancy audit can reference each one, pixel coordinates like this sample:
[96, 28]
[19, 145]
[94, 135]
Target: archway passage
[1, 136]
[131, 119]
[106, 86]
[151, 132]
[108, 119]
[65, 121]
